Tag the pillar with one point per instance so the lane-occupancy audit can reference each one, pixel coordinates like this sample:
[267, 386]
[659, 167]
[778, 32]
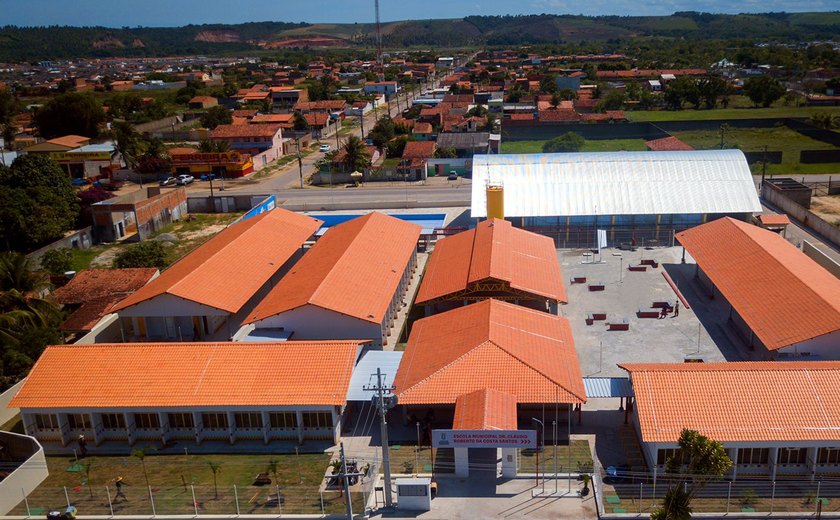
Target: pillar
[299, 420]
[163, 418]
[734, 464]
[773, 459]
[130, 427]
[198, 427]
[462, 462]
[96, 424]
[266, 419]
[231, 420]
[811, 461]
[63, 428]
[336, 417]
[508, 462]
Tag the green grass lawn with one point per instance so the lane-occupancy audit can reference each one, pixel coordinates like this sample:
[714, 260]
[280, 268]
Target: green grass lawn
[82, 257]
[726, 113]
[173, 478]
[581, 458]
[604, 145]
[783, 139]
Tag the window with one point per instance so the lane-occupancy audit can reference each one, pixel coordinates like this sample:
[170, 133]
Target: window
[147, 421]
[215, 421]
[828, 456]
[317, 420]
[412, 491]
[45, 421]
[792, 455]
[664, 455]
[113, 421]
[283, 419]
[79, 421]
[251, 421]
[753, 455]
[181, 420]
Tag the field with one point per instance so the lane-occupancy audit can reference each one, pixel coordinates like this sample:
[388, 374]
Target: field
[607, 145]
[642, 116]
[172, 480]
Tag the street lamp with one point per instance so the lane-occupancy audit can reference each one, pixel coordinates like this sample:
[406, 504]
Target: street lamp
[542, 434]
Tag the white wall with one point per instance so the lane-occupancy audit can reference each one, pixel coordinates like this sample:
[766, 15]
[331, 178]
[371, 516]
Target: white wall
[824, 347]
[28, 476]
[311, 322]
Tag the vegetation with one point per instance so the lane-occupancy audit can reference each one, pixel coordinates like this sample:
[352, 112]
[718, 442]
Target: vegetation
[70, 113]
[355, 158]
[215, 116]
[149, 253]
[568, 142]
[57, 261]
[37, 202]
[763, 90]
[591, 145]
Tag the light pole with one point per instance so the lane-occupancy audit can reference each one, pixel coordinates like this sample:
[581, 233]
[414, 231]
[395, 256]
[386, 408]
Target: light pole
[542, 434]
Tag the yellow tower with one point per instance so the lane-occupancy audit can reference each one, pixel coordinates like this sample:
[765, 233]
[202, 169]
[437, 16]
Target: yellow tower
[495, 202]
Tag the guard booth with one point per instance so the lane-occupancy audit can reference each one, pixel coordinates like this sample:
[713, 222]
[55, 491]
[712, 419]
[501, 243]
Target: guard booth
[414, 494]
[485, 419]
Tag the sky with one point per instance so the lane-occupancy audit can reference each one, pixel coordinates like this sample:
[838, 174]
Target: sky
[168, 13]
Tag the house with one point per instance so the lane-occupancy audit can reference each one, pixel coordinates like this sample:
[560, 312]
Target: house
[670, 143]
[493, 260]
[415, 157]
[388, 88]
[358, 108]
[252, 139]
[774, 419]
[207, 293]
[350, 285]
[187, 393]
[59, 144]
[423, 131]
[91, 294]
[780, 301]
[137, 214]
[224, 165]
[465, 144]
[201, 102]
[287, 96]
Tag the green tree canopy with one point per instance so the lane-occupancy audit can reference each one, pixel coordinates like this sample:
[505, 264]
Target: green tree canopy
[70, 114]
[355, 158]
[568, 142]
[763, 90]
[149, 253]
[57, 261]
[682, 90]
[215, 116]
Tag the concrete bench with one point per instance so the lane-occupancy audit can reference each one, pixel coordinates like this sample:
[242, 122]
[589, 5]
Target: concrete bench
[597, 286]
[594, 316]
[637, 268]
[622, 324]
[661, 304]
[626, 246]
[577, 279]
[648, 313]
[649, 262]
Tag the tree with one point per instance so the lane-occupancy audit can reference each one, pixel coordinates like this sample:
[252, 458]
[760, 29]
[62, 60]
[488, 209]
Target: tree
[568, 142]
[823, 120]
[57, 261]
[548, 84]
[215, 116]
[70, 113]
[355, 156]
[556, 99]
[206, 146]
[87, 467]
[18, 274]
[148, 253]
[447, 152]
[273, 466]
[88, 198]
[763, 90]
[215, 467]
[613, 100]
[140, 453]
[8, 107]
[127, 142]
[682, 90]
[37, 202]
[699, 460]
[710, 89]
[300, 124]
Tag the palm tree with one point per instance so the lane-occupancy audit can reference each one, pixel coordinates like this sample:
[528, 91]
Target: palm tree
[675, 506]
[215, 467]
[127, 142]
[141, 453]
[556, 99]
[18, 273]
[355, 157]
[272, 468]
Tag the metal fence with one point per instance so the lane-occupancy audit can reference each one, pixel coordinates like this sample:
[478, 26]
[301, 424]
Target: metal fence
[618, 237]
[189, 500]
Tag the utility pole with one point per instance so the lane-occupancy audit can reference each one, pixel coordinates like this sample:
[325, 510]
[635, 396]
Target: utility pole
[381, 390]
[345, 481]
[362, 122]
[300, 161]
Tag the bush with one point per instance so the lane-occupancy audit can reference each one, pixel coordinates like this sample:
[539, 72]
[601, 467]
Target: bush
[57, 261]
[568, 142]
[144, 254]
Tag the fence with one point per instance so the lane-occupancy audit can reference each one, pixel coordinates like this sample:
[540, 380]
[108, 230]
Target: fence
[619, 237]
[140, 499]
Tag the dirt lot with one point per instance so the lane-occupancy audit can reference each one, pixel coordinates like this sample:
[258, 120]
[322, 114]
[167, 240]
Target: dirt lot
[827, 207]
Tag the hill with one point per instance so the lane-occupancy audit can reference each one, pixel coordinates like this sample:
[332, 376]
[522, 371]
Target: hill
[38, 43]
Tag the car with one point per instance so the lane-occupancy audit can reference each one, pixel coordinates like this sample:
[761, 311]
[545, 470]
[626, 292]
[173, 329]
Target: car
[78, 182]
[208, 177]
[452, 176]
[183, 180]
[324, 148]
[167, 181]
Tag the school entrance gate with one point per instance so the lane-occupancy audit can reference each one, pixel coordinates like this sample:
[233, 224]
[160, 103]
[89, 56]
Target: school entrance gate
[484, 443]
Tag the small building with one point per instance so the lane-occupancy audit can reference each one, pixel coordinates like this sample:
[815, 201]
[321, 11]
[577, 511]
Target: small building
[284, 97]
[388, 88]
[776, 223]
[202, 102]
[465, 144]
[58, 144]
[775, 419]
[91, 294]
[137, 214]
[221, 164]
[494, 260]
[415, 158]
[350, 284]
[249, 138]
[90, 162]
[781, 301]
[208, 293]
[191, 393]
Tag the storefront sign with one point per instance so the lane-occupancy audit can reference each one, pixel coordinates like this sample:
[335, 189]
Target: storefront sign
[484, 438]
[77, 157]
[207, 158]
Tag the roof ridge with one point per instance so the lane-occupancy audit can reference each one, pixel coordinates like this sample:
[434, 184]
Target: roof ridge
[364, 220]
[444, 367]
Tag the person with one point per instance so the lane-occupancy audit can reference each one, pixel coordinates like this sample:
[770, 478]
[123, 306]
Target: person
[82, 446]
[676, 308]
[119, 483]
[664, 312]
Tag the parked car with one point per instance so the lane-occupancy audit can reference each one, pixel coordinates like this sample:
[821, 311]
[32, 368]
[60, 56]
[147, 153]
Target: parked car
[208, 177]
[183, 180]
[167, 181]
[78, 182]
[324, 148]
[452, 176]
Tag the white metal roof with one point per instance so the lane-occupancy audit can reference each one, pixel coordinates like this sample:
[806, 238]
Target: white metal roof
[616, 183]
[365, 373]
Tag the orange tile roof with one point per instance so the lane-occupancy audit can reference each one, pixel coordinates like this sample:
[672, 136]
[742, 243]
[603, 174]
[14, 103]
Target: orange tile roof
[738, 401]
[485, 409]
[272, 118]
[418, 150]
[490, 344]
[72, 141]
[784, 296]
[667, 144]
[354, 269]
[493, 250]
[92, 284]
[232, 131]
[769, 219]
[191, 374]
[227, 270]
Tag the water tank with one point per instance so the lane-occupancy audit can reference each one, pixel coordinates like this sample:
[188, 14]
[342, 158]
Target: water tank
[495, 202]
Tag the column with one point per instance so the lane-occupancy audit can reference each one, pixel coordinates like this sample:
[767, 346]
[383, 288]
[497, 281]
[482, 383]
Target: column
[734, 458]
[773, 459]
[63, 428]
[130, 427]
[266, 419]
[198, 427]
[163, 419]
[462, 462]
[231, 420]
[811, 461]
[508, 462]
[299, 419]
[96, 423]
